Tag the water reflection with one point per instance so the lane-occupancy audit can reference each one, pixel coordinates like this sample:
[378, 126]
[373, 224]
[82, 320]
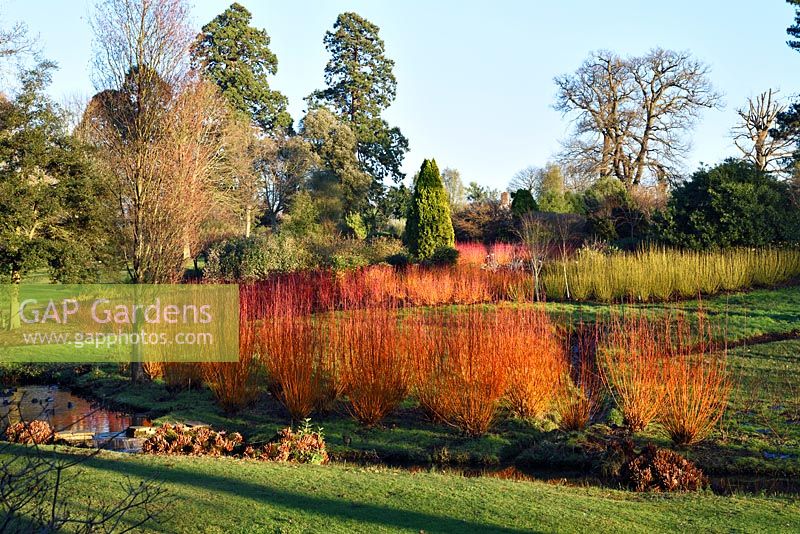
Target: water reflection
[63, 410]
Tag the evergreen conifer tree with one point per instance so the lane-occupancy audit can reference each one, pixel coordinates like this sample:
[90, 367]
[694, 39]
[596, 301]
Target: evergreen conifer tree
[428, 226]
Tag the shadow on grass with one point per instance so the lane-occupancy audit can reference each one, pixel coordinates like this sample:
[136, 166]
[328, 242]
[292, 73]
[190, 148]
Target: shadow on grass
[341, 509]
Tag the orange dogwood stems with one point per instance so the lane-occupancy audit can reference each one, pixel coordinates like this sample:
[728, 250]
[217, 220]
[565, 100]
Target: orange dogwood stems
[234, 384]
[375, 367]
[697, 383]
[536, 362]
[632, 366]
[468, 361]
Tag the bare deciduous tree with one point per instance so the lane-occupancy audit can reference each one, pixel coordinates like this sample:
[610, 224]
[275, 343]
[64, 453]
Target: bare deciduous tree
[601, 93]
[161, 213]
[191, 157]
[141, 53]
[282, 167]
[631, 114]
[164, 187]
[456, 192]
[539, 239]
[165, 135]
[14, 41]
[237, 196]
[752, 134]
[161, 133]
[133, 34]
[15, 46]
[567, 229]
[528, 178]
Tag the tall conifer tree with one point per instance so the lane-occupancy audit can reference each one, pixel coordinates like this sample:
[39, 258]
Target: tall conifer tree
[361, 85]
[429, 225]
[237, 57]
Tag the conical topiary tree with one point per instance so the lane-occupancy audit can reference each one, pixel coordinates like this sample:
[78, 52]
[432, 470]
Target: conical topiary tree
[522, 202]
[429, 226]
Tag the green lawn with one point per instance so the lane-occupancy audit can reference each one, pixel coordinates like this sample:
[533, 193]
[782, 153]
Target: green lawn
[761, 430]
[737, 316]
[226, 495]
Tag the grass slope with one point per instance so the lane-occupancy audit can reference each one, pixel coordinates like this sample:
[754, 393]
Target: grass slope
[226, 495]
[739, 316]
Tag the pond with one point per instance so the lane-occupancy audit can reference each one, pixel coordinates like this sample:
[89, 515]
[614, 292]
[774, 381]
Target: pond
[68, 413]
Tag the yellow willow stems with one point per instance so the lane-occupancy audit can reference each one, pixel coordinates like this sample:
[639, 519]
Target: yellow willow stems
[661, 274]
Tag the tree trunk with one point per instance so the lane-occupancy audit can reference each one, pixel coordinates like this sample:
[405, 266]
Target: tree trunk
[248, 216]
[137, 368]
[13, 294]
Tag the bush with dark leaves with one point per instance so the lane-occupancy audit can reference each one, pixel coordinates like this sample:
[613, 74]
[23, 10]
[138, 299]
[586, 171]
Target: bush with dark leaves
[659, 470]
[201, 441]
[30, 432]
[304, 446]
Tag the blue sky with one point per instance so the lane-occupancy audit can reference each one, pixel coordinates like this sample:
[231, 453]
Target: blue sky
[475, 86]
